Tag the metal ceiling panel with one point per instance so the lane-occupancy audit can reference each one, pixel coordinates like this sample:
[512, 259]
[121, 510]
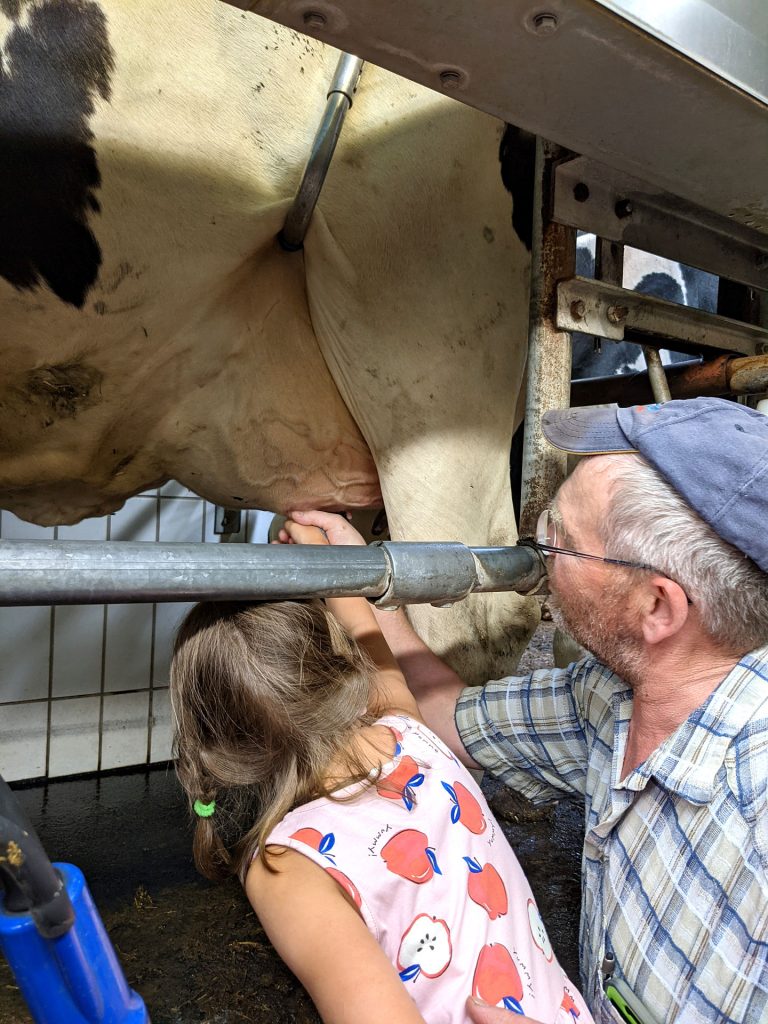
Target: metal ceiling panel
[730, 37]
[576, 73]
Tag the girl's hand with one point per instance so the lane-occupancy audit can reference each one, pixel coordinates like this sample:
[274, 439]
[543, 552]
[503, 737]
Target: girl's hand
[295, 533]
[388, 688]
[335, 528]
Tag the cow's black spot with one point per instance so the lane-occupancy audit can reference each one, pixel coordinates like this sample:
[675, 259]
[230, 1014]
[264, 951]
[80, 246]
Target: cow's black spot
[662, 286]
[55, 63]
[700, 288]
[517, 153]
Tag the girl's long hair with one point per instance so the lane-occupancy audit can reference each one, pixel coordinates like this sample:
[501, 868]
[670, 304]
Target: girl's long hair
[266, 698]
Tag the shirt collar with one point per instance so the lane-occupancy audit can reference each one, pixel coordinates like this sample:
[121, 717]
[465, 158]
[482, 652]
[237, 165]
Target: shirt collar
[688, 761]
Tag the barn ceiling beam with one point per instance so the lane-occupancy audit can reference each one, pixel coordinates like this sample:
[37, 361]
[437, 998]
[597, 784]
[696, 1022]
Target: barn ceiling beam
[390, 573]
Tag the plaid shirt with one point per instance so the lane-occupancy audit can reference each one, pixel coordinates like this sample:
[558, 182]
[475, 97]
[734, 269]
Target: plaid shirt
[675, 860]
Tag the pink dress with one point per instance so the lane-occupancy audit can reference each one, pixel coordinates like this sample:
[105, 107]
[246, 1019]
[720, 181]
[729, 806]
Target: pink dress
[438, 885]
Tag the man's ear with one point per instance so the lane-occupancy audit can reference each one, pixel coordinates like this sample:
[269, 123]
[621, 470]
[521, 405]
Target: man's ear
[664, 611]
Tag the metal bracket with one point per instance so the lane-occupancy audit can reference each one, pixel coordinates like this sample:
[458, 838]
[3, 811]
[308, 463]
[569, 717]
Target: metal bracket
[604, 309]
[416, 579]
[615, 206]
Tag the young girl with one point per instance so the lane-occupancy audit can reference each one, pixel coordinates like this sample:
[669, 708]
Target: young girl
[366, 849]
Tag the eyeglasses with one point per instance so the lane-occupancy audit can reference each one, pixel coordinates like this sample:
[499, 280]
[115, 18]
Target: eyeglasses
[547, 537]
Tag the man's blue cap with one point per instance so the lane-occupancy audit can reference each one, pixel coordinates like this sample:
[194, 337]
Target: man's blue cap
[713, 452]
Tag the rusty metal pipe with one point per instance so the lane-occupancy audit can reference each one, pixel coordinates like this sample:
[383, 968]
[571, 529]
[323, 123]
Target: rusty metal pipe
[553, 258]
[725, 375]
[748, 376]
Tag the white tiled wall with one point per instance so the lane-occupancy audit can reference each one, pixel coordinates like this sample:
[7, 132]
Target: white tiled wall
[84, 688]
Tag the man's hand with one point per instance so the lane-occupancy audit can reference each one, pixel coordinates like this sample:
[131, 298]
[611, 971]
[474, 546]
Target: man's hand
[481, 1013]
[334, 527]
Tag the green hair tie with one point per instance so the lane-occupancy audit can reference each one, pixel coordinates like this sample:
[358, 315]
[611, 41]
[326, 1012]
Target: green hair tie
[204, 810]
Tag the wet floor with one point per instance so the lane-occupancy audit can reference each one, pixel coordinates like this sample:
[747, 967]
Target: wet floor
[193, 949]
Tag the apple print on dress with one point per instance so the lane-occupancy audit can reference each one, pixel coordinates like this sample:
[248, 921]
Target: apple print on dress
[322, 843]
[401, 782]
[465, 808]
[569, 1006]
[486, 888]
[398, 740]
[538, 931]
[347, 885]
[425, 948]
[497, 979]
[409, 855]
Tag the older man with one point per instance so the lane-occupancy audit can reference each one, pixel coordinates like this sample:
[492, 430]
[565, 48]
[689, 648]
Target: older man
[657, 551]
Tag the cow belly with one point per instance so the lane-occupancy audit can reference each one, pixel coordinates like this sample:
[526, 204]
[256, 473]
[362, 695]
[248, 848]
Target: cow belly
[224, 390]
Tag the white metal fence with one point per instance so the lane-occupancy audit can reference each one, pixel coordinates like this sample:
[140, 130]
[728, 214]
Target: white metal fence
[85, 688]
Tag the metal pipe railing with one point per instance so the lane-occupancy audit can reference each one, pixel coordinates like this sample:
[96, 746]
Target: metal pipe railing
[95, 572]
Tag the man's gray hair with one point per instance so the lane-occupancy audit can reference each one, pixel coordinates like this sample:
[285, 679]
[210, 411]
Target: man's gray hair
[649, 522]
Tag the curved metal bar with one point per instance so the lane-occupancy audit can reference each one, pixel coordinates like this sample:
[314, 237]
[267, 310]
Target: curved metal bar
[340, 94]
[28, 879]
[96, 572]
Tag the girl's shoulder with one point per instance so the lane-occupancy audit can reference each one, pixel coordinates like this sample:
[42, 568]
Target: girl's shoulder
[412, 732]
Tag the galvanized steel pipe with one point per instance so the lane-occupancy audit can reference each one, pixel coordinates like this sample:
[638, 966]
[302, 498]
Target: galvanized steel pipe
[656, 375]
[83, 572]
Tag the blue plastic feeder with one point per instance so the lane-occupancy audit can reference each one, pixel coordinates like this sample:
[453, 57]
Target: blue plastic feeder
[52, 936]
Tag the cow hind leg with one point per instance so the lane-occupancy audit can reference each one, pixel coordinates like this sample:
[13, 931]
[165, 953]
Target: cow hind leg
[483, 636]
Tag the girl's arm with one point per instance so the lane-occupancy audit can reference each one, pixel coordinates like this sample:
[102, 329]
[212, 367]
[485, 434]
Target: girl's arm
[355, 613]
[421, 683]
[327, 945]
[432, 682]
